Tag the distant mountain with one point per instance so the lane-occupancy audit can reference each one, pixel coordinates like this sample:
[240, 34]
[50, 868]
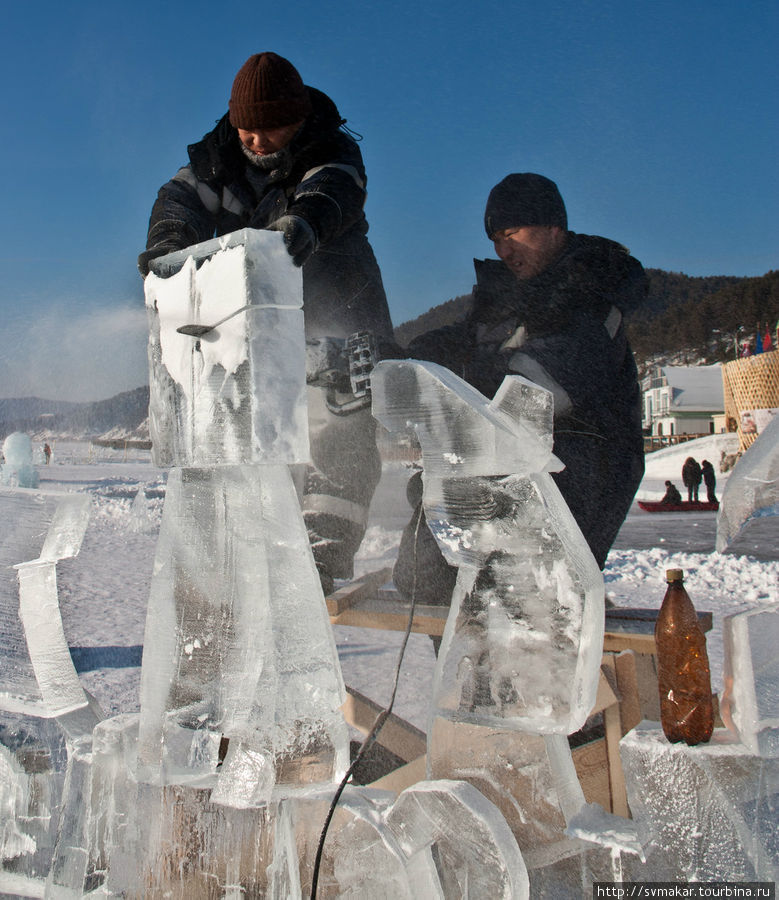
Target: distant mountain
[124, 416]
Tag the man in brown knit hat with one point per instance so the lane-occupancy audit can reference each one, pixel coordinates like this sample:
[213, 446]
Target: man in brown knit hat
[280, 160]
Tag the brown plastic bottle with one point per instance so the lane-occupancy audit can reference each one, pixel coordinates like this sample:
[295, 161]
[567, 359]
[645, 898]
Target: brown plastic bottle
[684, 679]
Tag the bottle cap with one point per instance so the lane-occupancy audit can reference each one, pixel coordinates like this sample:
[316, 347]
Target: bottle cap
[674, 574]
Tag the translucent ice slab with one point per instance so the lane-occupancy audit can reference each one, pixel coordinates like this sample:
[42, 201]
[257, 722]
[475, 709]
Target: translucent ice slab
[238, 652]
[524, 637]
[706, 813]
[752, 490]
[231, 389]
[750, 703]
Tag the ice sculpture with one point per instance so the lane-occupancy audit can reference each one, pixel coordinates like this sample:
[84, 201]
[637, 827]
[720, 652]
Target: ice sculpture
[524, 637]
[41, 699]
[18, 469]
[706, 813]
[752, 491]
[239, 657]
[750, 702]
[519, 662]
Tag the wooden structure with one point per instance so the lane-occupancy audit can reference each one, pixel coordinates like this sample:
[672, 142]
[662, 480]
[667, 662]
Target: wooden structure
[750, 384]
[627, 690]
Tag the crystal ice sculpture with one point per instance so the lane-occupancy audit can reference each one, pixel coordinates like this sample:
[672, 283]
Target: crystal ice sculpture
[17, 469]
[240, 683]
[476, 853]
[750, 702]
[524, 637]
[752, 491]
[42, 704]
[38, 675]
[225, 336]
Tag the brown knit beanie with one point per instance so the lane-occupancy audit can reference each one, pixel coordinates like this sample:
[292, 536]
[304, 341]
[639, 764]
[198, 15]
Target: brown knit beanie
[268, 92]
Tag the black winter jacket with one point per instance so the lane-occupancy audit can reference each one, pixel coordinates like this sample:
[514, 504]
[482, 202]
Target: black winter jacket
[563, 330]
[321, 179]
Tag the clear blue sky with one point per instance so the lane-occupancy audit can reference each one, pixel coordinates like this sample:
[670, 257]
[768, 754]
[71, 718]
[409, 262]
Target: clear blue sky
[658, 120]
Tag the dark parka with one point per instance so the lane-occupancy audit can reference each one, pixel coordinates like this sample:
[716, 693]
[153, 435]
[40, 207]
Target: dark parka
[563, 330]
[321, 179]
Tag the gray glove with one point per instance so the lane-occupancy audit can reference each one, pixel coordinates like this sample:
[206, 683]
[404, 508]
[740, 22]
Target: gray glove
[299, 237]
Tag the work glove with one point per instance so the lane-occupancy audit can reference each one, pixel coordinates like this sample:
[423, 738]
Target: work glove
[153, 253]
[299, 237]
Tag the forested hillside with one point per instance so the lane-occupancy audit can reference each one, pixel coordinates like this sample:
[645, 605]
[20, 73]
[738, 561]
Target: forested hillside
[698, 315]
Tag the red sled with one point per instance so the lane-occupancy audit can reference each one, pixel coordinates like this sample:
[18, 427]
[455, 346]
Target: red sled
[684, 506]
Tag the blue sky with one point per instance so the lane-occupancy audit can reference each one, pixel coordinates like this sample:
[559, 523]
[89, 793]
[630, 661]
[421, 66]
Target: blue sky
[657, 120]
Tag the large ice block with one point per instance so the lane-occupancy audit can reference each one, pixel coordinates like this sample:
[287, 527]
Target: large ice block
[235, 393]
[238, 645]
[705, 813]
[752, 491]
[750, 703]
[524, 637]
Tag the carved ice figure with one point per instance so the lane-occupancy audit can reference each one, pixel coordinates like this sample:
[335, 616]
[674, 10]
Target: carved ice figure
[18, 469]
[750, 701]
[524, 637]
[41, 699]
[239, 657]
[752, 491]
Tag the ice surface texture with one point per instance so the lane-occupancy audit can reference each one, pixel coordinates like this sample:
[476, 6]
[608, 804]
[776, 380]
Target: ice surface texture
[751, 699]
[235, 394]
[238, 642]
[524, 637]
[706, 813]
[753, 487]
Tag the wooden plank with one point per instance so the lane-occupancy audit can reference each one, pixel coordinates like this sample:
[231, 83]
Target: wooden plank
[612, 726]
[648, 691]
[357, 590]
[397, 735]
[617, 641]
[405, 776]
[392, 615]
[591, 763]
[627, 685]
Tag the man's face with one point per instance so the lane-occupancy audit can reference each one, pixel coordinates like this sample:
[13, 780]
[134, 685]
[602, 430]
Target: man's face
[529, 249]
[269, 140]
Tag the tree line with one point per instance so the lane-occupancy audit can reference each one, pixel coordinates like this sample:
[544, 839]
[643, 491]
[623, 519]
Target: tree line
[698, 316]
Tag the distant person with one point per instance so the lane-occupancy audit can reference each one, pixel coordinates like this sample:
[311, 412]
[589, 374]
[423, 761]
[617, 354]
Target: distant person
[47, 453]
[551, 308]
[691, 477]
[710, 480]
[279, 160]
[672, 497]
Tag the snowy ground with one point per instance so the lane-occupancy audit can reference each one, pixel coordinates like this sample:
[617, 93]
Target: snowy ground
[103, 592]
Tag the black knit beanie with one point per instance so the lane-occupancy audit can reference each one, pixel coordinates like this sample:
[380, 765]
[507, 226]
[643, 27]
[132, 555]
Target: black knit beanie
[524, 199]
[268, 93]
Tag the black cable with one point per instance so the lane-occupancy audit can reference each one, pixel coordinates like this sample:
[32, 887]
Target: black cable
[374, 732]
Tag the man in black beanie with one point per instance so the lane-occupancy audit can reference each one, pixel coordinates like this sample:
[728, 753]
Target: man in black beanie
[551, 309]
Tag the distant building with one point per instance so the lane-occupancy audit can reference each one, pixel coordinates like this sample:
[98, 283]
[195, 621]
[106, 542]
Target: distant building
[683, 400]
